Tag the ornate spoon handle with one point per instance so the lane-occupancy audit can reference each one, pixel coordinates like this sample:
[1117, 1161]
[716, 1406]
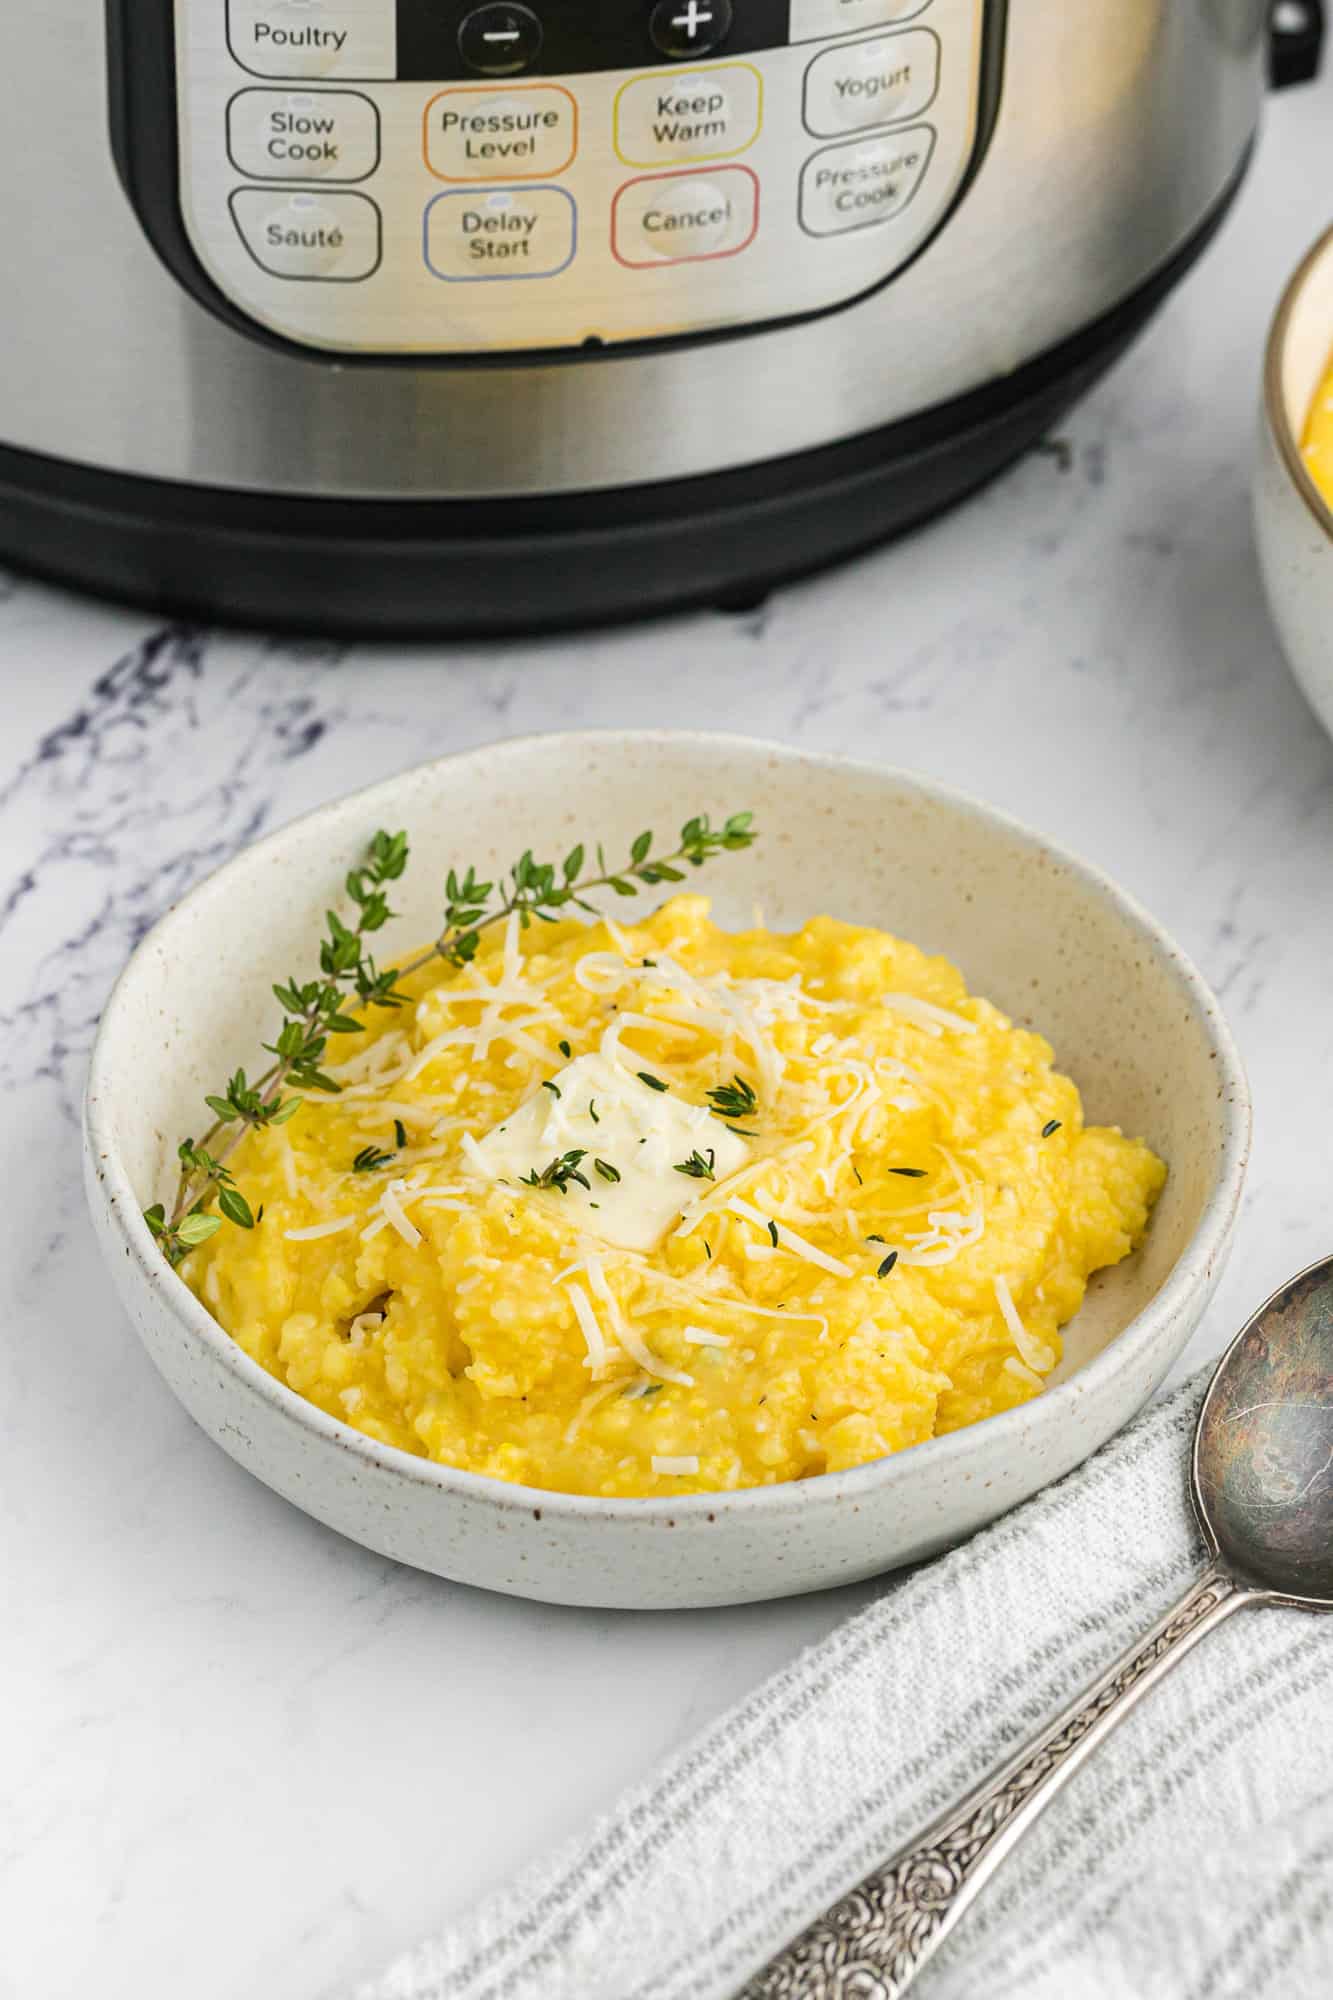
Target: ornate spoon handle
[871, 1945]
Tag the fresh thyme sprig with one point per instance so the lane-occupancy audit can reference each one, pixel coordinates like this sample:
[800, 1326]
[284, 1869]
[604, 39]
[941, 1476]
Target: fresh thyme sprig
[560, 1172]
[316, 1009]
[313, 1011]
[733, 1100]
[698, 1167]
[542, 888]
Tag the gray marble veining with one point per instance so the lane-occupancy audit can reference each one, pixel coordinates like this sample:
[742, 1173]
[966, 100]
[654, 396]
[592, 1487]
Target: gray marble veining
[243, 1757]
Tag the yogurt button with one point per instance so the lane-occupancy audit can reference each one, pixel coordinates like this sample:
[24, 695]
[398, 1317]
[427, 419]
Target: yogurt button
[331, 236]
[871, 83]
[677, 218]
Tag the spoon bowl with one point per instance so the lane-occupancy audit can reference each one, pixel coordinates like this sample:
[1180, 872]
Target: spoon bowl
[1263, 1450]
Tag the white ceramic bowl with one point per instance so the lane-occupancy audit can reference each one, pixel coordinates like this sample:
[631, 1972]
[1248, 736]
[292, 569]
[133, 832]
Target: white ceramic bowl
[1293, 524]
[1046, 937]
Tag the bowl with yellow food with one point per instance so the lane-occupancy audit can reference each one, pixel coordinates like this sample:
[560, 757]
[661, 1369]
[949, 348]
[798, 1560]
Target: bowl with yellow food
[730, 1171]
[1294, 480]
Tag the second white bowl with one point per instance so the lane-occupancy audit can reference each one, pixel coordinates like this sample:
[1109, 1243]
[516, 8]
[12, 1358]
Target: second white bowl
[1047, 938]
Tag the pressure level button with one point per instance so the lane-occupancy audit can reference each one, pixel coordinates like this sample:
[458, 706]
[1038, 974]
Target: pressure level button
[500, 39]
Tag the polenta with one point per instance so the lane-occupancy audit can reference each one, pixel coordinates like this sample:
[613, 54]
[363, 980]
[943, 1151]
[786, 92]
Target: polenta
[665, 1209]
[1317, 444]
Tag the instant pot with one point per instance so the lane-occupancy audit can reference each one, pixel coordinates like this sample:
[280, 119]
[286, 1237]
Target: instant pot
[412, 315]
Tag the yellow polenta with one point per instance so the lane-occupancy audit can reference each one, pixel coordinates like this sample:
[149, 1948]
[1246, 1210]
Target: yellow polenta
[1317, 445]
[772, 1332]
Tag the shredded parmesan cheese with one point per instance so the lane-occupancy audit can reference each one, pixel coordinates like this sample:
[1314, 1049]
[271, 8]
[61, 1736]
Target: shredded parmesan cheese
[791, 1241]
[684, 1467]
[391, 1202]
[699, 1336]
[318, 1229]
[1036, 1354]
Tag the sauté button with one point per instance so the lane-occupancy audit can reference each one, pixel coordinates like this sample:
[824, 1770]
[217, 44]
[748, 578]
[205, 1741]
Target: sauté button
[684, 218]
[331, 236]
[863, 182]
[689, 27]
[878, 82]
[302, 135]
[475, 237]
[697, 114]
[475, 134]
[310, 38]
[820, 20]
[500, 40]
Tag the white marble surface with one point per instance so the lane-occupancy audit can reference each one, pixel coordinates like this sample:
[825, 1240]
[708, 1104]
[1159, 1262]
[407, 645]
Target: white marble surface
[245, 1758]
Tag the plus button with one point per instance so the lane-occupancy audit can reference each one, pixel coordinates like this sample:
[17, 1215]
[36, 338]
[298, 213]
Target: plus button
[689, 27]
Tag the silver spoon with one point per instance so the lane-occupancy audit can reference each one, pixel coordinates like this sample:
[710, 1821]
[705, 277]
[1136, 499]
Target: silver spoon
[1263, 1491]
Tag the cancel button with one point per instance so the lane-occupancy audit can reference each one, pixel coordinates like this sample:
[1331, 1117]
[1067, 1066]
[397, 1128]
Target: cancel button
[677, 218]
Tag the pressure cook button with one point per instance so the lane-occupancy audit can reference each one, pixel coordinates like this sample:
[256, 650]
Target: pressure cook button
[699, 114]
[311, 38]
[821, 20]
[683, 28]
[864, 182]
[331, 236]
[685, 218]
[878, 82]
[490, 233]
[500, 40]
[302, 135]
[476, 134]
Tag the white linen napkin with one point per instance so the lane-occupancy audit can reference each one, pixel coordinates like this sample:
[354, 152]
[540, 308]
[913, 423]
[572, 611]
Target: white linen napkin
[1191, 1859]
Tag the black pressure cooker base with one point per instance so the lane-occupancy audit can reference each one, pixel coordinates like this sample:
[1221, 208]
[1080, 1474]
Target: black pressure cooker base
[386, 568]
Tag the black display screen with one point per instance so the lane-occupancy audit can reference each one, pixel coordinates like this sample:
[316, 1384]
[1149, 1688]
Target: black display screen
[440, 40]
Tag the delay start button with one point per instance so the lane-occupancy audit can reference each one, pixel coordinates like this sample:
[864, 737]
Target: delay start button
[685, 218]
[477, 236]
[330, 236]
[864, 182]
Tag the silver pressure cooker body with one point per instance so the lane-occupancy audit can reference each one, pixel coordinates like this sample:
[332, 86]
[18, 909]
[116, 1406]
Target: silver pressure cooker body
[411, 315]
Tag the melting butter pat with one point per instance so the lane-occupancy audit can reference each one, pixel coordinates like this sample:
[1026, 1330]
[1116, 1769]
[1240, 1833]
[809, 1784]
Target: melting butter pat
[643, 1135]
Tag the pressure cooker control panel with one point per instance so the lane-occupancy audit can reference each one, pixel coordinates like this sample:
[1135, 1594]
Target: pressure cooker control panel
[486, 176]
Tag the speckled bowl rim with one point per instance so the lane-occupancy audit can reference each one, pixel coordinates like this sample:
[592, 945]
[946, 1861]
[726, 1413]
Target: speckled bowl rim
[1190, 1271]
[1275, 402]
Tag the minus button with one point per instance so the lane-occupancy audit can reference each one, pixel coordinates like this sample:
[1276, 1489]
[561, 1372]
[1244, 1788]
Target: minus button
[500, 39]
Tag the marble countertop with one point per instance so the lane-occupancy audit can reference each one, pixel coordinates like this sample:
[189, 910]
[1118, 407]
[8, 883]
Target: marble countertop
[244, 1757]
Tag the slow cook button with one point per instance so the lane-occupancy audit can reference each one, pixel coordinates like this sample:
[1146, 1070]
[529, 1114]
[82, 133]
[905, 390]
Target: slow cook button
[871, 83]
[486, 135]
[700, 114]
[330, 236]
[302, 135]
[310, 38]
[868, 181]
[820, 20]
[682, 218]
[501, 233]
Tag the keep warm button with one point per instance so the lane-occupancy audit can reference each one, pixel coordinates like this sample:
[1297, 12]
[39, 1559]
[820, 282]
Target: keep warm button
[502, 232]
[689, 115]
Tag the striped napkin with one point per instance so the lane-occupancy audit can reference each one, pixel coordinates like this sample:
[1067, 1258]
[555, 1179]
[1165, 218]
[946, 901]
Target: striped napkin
[1191, 1859]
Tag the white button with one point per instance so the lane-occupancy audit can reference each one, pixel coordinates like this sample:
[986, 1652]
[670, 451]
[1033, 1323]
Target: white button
[693, 114]
[332, 236]
[501, 233]
[868, 181]
[678, 218]
[485, 135]
[871, 83]
[819, 20]
[303, 135]
[308, 38]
